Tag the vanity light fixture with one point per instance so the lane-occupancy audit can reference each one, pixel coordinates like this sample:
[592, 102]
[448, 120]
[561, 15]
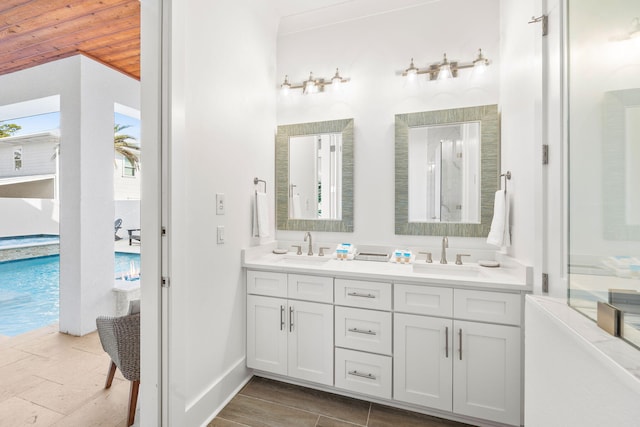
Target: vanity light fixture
[447, 69]
[312, 84]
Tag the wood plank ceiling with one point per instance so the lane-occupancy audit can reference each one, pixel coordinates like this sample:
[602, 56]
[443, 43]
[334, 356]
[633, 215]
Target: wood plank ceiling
[33, 32]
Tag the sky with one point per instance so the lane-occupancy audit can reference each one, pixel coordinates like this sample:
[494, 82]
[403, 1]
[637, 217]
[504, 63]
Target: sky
[51, 122]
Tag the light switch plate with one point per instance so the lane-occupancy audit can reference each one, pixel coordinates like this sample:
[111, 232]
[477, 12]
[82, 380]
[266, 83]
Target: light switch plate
[220, 234]
[220, 204]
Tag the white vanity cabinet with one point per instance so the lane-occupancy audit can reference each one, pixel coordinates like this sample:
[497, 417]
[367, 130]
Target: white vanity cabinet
[444, 348]
[363, 337]
[287, 336]
[466, 366]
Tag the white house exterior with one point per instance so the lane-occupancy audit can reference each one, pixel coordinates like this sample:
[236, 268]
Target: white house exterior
[29, 169]
[126, 180]
[29, 166]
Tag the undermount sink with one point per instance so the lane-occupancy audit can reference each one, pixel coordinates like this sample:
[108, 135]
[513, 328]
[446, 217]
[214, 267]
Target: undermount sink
[303, 259]
[466, 270]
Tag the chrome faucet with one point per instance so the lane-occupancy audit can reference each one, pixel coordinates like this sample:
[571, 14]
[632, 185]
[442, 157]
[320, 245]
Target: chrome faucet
[308, 234]
[445, 245]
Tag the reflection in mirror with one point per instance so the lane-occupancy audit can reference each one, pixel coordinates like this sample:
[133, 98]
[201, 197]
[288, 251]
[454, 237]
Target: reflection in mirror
[444, 166]
[632, 145]
[446, 171]
[620, 157]
[315, 176]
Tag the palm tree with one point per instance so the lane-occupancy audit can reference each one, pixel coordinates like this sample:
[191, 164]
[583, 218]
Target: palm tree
[123, 145]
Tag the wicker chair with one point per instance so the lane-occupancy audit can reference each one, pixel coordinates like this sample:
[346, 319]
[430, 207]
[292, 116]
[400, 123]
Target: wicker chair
[120, 338]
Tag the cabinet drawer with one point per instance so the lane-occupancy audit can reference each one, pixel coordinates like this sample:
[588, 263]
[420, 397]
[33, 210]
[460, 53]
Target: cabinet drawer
[361, 329]
[267, 283]
[359, 293]
[496, 307]
[310, 288]
[427, 300]
[363, 373]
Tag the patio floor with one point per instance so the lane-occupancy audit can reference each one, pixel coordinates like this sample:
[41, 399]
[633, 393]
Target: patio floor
[52, 379]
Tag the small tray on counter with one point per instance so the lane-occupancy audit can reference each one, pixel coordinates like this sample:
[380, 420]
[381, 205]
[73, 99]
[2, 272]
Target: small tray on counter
[372, 256]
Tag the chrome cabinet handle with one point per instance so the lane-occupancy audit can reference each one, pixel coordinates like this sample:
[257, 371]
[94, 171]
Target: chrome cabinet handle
[290, 319]
[282, 317]
[356, 294]
[460, 342]
[446, 342]
[362, 331]
[361, 375]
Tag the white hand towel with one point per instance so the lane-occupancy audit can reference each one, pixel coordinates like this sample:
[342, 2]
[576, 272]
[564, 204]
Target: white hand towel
[499, 234]
[261, 216]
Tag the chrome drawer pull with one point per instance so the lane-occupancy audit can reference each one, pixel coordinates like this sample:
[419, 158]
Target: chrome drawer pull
[358, 374]
[282, 317]
[356, 294]
[446, 341]
[290, 319]
[362, 331]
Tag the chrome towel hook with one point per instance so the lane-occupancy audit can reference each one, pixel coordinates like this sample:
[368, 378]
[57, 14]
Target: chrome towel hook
[507, 176]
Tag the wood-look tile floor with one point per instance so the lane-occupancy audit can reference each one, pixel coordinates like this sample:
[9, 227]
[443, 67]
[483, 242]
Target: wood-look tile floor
[268, 403]
[52, 379]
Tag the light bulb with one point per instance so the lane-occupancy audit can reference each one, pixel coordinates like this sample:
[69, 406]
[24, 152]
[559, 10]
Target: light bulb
[480, 64]
[635, 29]
[337, 79]
[411, 72]
[310, 85]
[285, 87]
[444, 70]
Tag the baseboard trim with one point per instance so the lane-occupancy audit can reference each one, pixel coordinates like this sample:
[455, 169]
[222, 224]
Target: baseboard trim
[203, 408]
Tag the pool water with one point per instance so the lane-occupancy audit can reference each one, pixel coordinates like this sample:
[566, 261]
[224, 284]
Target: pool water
[29, 291]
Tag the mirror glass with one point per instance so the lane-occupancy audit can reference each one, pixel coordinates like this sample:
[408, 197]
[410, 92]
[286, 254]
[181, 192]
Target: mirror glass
[314, 176]
[632, 148]
[444, 167]
[620, 157]
[447, 171]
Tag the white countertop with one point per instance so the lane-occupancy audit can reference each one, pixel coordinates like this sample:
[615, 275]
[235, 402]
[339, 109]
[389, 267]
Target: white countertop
[510, 276]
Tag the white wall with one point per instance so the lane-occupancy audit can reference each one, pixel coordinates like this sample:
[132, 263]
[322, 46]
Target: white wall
[22, 217]
[372, 51]
[87, 92]
[520, 105]
[221, 121]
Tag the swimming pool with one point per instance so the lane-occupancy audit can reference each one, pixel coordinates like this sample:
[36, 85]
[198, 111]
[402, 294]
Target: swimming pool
[29, 291]
[31, 240]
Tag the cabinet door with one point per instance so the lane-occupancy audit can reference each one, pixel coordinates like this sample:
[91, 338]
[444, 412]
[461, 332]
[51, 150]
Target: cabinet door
[267, 334]
[486, 380]
[422, 362]
[311, 341]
